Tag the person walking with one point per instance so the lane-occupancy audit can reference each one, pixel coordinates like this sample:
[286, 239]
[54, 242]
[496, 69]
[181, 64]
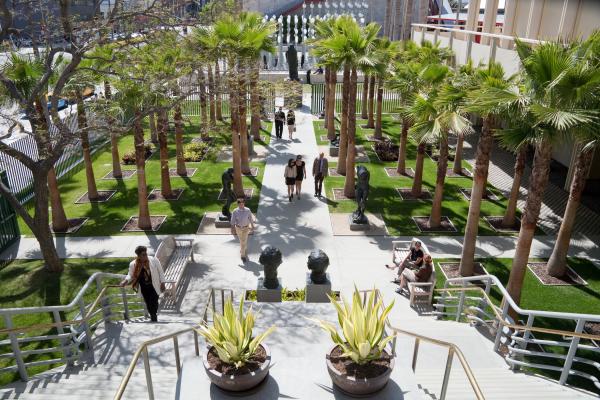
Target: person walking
[242, 224]
[300, 174]
[291, 123]
[279, 121]
[320, 170]
[146, 274]
[290, 177]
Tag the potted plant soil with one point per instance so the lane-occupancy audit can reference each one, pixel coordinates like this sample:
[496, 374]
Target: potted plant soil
[235, 360]
[358, 363]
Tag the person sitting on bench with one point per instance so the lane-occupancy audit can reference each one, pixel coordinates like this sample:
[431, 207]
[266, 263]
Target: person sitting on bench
[421, 274]
[413, 260]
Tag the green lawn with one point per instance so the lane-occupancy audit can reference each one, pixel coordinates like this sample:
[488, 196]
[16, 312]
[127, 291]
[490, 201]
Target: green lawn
[183, 216]
[25, 283]
[536, 296]
[384, 198]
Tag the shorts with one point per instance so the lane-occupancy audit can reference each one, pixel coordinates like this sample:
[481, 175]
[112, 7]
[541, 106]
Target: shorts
[409, 275]
[290, 181]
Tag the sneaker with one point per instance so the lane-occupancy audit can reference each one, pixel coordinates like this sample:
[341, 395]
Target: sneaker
[290, 198]
[316, 195]
[244, 259]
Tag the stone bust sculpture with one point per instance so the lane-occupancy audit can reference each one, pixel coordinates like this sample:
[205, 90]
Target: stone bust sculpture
[318, 262]
[270, 258]
[362, 193]
[227, 182]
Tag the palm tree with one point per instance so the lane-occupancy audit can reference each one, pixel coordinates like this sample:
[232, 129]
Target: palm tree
[371, 106]
[479, 86]
[510, 215]
[384, 52]
[552, 84]
[436, 114]
[153, 131]
[203, 103]
[218, 91]
[364, 114]
[211, 95]
[165, 176]
[585, 81]
[181, 167]
[103, 61]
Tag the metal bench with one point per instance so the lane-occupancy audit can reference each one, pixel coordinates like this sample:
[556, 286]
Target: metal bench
[174, 255]
[416, 290]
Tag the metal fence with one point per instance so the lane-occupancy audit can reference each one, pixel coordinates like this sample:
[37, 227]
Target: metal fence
[191, 105]
[9, 229]
[20, 178]
[391, 99]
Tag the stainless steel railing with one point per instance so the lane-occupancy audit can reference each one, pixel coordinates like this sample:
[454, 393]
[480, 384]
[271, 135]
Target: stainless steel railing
[569, 352]
[71, 327]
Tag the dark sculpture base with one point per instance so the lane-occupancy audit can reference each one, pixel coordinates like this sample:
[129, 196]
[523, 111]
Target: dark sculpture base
[334, 151]
[317, 292]
[359, 225]
[264, 295]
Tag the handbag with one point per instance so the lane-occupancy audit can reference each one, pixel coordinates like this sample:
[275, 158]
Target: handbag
[294, 128]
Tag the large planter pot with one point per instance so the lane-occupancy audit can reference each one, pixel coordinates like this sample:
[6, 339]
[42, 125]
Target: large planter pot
[239, 383]
[361, 386]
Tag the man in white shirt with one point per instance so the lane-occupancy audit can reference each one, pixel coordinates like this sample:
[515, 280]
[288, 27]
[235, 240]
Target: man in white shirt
[242, 224]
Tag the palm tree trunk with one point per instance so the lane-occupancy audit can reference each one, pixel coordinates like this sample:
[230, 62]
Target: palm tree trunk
[371, 120]
[331, 103]
[152, 123]
[242, 124]
[144, 221]
[218, 90]
[364, 109]
[238, 186]
[557, 264]
[85, 147]
[351, 157]
[343, 151]
[510, 216]
[326, 97]
[388, 18]
[41, 228]
[60, 223]
[401, 169]
[480, 174]
[181, 167]
[535, 195]
[114, 141]
[165, 178]
[457, 169]
[435, 219]
[378, 132]
[203, 105]
[418, 179]
[255, 101]
[211, 96]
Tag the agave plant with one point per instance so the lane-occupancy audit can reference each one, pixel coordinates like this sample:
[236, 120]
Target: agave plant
[362, 326]
[231, 334]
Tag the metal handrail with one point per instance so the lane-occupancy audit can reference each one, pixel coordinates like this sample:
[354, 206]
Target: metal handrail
[143, 349]
[500, 316]
[484, 34]
[452, 350]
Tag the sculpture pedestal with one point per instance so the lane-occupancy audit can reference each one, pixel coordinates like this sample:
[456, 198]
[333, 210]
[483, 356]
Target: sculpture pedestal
[317, 292]
[365, 226]
[334, 151]
[264, 295]
[222, 222]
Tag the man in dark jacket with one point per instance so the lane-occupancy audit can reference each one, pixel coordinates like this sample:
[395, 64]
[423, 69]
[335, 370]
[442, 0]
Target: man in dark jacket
[279, 122]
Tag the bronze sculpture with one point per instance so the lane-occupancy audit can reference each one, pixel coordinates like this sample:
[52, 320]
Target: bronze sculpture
[361, 194]
[228, 193]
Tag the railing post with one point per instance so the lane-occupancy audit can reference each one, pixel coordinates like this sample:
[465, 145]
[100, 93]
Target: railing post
[177, 359]
[436, 33]
[16, 349]
[461, 305]
[500, 325]
[493, 46]
[148, 374]
[571, 354]
[196, 346]
[125, 303]
[447, 373]
[86, 325]
[104, 302]
[64, 344]
[469, 47]
[415, 353]
[526, 335]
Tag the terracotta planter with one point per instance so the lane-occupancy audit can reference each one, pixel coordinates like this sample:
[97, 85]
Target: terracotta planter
[239, 383]
[357, 387]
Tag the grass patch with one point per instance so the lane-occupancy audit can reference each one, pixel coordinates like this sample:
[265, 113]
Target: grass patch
[25, 283]
[183, 216]
[384, 199]
[535, 296]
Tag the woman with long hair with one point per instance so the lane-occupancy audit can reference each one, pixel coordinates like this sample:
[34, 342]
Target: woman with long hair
[290, 175]
[300, 174]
